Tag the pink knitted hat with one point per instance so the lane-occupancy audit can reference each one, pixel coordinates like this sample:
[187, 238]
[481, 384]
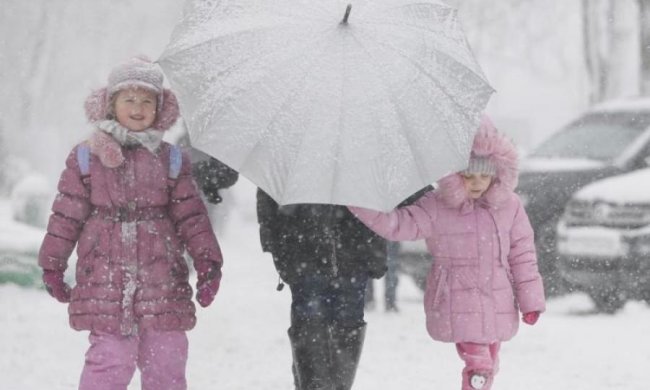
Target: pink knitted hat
[481, 165]
[492, 153]
[136, 72]
[141, 72]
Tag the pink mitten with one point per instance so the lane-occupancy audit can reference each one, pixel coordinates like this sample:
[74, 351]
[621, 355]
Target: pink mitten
[531, 317]
[55, 285]
[208, 280]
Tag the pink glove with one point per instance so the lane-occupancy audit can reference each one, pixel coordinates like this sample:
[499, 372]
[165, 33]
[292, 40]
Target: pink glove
[208, 280]
[531, 317]
[55, 285]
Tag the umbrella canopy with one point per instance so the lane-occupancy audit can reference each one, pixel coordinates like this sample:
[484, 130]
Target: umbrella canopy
[320, 102]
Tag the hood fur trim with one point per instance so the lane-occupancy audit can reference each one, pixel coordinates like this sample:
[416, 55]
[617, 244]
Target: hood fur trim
[488, 142]
[96, 107]
[107, 149]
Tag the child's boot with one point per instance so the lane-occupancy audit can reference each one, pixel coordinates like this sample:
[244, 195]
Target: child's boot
[480, 361]
[477, 379]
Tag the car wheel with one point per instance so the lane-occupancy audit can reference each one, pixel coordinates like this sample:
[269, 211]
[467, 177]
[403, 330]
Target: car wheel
[608, 302]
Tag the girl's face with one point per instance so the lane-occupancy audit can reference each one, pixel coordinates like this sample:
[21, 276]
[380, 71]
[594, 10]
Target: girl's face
[476, 184]
[135, 108]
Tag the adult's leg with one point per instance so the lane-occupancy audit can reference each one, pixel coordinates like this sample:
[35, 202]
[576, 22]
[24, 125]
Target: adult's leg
[162, 360]
[110, 362]
[348, 327]
[310, 334]
[479, 366]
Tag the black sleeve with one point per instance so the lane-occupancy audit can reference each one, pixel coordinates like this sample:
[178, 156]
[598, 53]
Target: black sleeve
[414, 198]
[267, 215]
[212, 175]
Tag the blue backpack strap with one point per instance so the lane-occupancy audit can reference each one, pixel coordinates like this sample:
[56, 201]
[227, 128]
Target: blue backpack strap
[175, 161]
[83, 159]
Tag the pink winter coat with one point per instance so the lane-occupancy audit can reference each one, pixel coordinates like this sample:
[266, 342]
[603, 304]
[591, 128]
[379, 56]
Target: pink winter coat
[485, 266]
[131, 225]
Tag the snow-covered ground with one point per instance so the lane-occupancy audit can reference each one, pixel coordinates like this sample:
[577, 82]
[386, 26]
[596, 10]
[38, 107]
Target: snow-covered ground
[240, 341]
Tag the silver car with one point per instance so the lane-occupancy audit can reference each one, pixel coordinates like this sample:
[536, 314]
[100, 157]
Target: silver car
[604, 240]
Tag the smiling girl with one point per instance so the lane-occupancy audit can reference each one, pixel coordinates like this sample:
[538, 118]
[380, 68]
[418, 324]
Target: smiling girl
[128, 202]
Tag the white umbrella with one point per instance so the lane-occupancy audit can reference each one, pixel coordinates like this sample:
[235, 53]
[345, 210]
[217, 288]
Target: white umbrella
[315, 107]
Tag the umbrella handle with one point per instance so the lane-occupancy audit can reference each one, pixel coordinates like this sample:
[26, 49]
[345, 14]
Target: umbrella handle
[347, 14]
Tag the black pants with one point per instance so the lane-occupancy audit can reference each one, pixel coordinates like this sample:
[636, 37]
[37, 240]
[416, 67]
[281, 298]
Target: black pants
[323, 299]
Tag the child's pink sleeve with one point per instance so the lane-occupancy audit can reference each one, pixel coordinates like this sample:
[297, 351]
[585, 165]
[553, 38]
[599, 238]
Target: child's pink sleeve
[412, 222]
[70, 210]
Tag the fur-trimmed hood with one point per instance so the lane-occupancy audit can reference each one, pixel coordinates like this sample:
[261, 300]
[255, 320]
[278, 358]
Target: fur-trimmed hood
[488, 142]
[167, 113]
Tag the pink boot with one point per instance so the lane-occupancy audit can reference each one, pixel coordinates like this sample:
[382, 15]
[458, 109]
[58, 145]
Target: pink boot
[481, 364]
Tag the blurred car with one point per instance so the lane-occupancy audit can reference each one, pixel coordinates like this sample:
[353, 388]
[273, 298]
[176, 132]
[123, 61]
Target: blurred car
[604, 240]
[610, 139]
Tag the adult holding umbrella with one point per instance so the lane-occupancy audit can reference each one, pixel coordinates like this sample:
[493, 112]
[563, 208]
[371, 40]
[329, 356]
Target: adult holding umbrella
[323, 103]
[326, 256]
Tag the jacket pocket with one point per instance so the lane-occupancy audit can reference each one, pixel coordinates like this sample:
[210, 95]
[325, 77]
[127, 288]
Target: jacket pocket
[88, 240]
[437, 288]
[91, 256]
[163, 243]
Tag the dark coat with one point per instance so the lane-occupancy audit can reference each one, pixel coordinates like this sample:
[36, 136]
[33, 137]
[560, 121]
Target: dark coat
[212, 175]
[317, 238]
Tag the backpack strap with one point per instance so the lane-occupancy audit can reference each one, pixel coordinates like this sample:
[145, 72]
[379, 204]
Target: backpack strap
[175, 161]
[83, 160]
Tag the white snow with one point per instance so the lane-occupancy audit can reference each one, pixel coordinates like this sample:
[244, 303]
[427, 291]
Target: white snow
[536, 164]
[240, 341]
[629, 104]
[17, 237]
[631, 188]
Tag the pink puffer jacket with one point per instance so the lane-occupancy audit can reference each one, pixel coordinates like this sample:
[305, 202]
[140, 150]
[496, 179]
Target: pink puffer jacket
[485, 266]
[129, 275]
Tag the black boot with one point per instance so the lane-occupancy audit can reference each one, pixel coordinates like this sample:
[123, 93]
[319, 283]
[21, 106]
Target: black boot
[312, 363]
[346, 352]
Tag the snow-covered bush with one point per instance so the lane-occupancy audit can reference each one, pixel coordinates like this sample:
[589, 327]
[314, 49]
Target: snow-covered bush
[12, 170]
[31, 199]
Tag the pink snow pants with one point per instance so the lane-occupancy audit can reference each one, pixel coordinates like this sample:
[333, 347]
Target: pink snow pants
[481, 364]
[111, 361]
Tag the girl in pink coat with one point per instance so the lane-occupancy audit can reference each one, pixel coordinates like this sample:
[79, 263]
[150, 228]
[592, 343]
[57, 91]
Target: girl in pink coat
[485, 266]
[128, 202]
